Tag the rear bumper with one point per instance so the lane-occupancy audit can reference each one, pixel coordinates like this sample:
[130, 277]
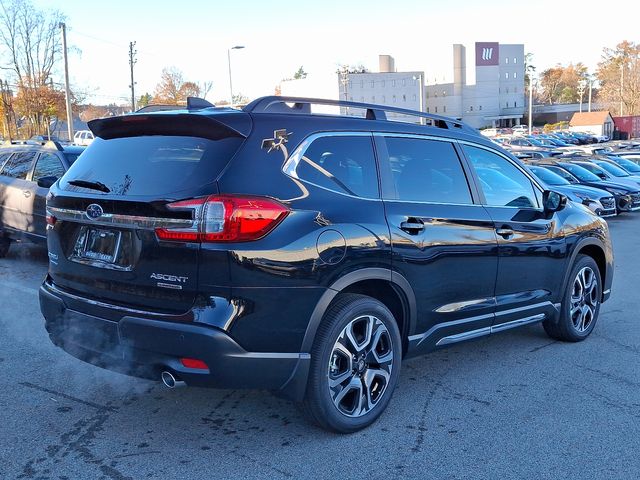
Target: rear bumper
[145, 347]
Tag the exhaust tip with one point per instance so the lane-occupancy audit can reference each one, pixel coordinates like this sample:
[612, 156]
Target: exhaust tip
[170, 381]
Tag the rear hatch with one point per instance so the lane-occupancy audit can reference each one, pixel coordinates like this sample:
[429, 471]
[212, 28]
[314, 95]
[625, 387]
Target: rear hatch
[104, 214]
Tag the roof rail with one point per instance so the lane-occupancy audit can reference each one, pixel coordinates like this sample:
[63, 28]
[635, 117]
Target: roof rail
[14, 142]
[278, 104]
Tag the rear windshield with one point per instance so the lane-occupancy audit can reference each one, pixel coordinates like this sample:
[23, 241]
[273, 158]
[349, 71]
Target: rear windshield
[151, 165]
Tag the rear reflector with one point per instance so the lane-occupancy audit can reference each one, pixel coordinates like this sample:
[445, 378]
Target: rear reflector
[194, 363]
[226, 218]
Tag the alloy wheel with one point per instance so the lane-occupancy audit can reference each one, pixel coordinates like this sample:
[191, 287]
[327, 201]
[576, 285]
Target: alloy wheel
[360, 366]
[584, 299]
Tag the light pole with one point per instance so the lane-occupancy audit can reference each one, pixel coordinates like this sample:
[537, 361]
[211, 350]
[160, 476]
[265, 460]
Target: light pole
[581, 88]
[237, 47]
[530, 103]
[420, 94]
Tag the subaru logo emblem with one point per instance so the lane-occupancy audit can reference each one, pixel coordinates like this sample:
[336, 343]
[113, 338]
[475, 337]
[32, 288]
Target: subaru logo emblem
[94, 211]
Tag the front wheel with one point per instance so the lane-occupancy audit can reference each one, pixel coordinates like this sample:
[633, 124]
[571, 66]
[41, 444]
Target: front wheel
[581, 303]
[355, 364]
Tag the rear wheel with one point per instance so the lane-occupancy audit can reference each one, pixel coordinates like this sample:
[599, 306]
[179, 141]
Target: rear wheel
[5, 243]
[355, 364]
[581, 303]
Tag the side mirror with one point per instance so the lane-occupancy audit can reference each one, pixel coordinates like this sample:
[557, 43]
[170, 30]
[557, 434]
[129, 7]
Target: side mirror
[553, 201]
[46, 182]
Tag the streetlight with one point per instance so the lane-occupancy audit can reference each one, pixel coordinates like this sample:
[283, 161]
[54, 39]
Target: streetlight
[420, 93]
[237, 47]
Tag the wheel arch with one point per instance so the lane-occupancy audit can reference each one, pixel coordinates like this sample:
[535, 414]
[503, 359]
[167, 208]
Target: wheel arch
[595, 249]
[389, 287]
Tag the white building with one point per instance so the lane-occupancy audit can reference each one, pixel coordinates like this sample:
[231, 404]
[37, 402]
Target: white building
[386, 87]
[496, 99]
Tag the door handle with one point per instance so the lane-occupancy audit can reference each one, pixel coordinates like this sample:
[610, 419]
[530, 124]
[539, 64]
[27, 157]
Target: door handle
[413, 226]
[26, 193]
[504, 232]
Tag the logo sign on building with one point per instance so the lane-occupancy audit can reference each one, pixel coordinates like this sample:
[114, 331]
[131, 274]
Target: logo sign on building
[487, 53]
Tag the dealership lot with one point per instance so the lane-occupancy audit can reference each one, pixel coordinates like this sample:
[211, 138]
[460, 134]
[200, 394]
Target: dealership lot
[516, 405]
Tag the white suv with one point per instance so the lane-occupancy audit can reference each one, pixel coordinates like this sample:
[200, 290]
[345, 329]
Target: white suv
[83, 137]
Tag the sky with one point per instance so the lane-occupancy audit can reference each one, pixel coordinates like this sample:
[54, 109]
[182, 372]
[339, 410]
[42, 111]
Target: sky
[280, 36]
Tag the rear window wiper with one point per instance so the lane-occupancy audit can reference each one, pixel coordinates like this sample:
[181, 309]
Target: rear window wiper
[92, 185]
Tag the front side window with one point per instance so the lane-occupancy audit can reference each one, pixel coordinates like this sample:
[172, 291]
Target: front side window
[343, 164]
[48, 165]
[503, 184]
[18, 165]
[427, 171]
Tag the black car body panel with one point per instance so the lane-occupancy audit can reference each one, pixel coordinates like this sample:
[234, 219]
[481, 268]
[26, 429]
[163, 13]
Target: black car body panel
[250, 309]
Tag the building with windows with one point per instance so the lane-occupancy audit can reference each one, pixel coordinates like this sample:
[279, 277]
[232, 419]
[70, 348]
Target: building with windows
[386, 87]
[497, 99]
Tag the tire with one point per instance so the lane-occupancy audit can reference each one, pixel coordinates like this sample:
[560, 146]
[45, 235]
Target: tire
[5, 243]
[581, 303]
[355, 364]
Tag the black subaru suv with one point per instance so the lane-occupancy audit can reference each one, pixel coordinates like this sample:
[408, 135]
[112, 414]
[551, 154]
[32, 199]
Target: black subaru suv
[27, 170]
[276, 248]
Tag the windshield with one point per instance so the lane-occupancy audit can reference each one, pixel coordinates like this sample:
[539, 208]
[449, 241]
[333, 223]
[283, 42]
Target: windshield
[612, 169]
[580, 173]
[548, 177]
[628, 165]
[156, 165]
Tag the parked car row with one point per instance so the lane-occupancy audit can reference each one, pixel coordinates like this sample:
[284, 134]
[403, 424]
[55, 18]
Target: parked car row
[604, 177]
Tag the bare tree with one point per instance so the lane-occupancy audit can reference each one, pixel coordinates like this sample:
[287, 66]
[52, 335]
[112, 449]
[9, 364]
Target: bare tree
[29, 47]
[29, 38]
[205, 88]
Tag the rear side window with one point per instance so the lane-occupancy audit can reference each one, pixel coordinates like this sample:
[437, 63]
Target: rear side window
[19, 165]
[48, 165]
[427, 171]
[152, 165]
[343, 164]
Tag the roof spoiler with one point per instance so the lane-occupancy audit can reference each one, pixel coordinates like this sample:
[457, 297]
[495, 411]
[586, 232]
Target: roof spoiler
[181, 124]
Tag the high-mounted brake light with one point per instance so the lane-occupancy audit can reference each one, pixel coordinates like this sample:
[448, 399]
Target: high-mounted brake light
[226, 218]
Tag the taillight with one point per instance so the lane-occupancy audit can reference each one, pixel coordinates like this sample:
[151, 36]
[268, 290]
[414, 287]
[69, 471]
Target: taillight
[51, 220]
[226, 218]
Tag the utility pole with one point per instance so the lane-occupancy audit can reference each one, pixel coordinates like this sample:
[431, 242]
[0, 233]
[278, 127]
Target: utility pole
[6, 108]
[132, 62]
[67, 92]
[530, 103]
[621, 86]
[590, 88]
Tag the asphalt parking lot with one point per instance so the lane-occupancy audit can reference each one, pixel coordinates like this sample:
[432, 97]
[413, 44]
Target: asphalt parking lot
[516, 405]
